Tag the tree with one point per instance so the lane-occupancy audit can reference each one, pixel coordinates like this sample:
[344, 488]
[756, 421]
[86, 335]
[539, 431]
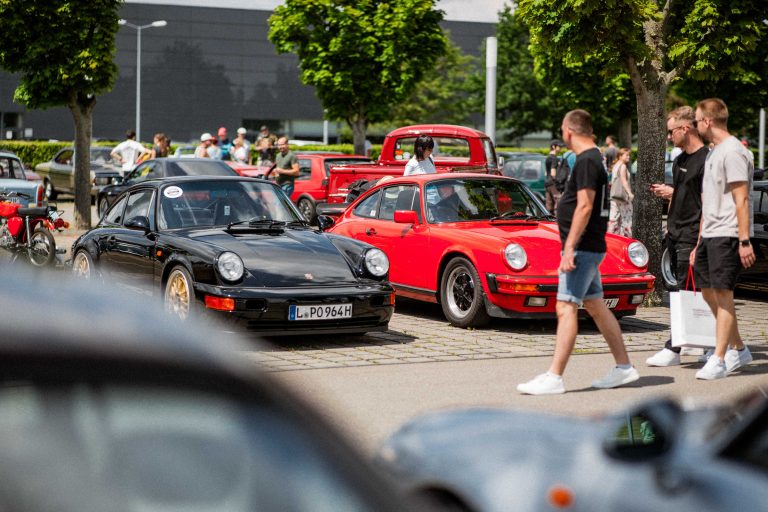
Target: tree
[363, 57]
[656, 43]
[63, 51]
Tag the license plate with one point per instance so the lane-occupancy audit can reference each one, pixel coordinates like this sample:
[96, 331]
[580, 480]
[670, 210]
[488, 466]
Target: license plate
[321, 312]
[611, 303]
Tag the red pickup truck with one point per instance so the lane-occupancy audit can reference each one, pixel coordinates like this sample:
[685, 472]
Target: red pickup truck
[457, 149]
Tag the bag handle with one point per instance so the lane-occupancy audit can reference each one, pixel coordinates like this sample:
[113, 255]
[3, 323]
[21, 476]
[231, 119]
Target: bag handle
[690, 279]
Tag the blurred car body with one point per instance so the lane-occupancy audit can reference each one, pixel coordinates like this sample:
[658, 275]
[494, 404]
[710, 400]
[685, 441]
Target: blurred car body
[656, 456]
[138, 412]
[58, 174]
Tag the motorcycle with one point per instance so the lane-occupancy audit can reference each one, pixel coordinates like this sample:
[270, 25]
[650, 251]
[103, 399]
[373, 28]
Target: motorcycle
[16, 224]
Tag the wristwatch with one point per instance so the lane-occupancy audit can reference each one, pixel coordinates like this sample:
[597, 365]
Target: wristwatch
[745, 242]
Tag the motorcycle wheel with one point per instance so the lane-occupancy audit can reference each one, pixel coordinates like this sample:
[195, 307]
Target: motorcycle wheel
[42, 248]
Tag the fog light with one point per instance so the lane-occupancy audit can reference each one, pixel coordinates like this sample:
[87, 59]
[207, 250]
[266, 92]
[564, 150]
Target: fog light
[219, 303]
[536, 302]
[636, 299]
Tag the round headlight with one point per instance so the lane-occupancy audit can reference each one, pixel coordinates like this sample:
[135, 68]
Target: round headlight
[638, 254]
[515, 256]
[230, 266]
[376, 262]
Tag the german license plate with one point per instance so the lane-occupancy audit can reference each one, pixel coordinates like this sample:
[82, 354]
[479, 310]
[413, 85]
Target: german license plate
[320, 312]
[611, 303]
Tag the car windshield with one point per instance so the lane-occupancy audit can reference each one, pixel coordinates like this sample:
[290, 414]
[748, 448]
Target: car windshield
[524, 168]
[199, 168]
[472, 199]
[223, 203]
[101, 155]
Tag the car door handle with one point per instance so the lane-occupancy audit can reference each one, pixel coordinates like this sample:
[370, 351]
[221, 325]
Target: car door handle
[370, 231]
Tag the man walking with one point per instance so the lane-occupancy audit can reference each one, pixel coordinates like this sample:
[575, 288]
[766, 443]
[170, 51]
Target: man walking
[286, 166]
[684, 214]
[582, 216]
[724, 246]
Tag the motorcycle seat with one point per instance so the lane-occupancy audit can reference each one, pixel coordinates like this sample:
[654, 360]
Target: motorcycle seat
[33, 212]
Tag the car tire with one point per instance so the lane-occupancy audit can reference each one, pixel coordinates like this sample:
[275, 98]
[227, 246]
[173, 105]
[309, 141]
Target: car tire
[42, 248]
[50, 192]
[82, 265]
[668, 277]
[103, 206]
[461, 294]
[179, 296]
[307, 208]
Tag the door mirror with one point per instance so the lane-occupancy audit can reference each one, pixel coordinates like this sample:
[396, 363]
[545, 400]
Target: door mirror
[501, 162]
[645, 433]
[117, 180]
[406, 217]
[139, 222]
[324, 222]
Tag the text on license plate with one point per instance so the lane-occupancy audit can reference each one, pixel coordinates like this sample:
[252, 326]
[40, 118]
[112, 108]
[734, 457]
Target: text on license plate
[611, 303]
[320, 312]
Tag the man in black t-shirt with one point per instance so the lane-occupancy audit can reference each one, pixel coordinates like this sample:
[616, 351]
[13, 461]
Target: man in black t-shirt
[582, 216]
[684, 214]
[551, 163]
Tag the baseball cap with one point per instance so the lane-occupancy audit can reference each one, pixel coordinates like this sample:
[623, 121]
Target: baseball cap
[206, 136]
[222, 131]
[242, 131]
[264, 127]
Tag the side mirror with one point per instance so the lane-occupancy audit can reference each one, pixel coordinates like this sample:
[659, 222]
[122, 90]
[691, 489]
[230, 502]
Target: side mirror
[139, 222]
[645, 433]
[501, 162]
[406, 217]
[324, 222]
[117, 180]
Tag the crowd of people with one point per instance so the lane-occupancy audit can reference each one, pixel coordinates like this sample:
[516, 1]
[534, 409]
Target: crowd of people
[239, 149]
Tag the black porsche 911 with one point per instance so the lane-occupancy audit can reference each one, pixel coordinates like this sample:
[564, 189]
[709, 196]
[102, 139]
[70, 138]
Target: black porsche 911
[236, 248]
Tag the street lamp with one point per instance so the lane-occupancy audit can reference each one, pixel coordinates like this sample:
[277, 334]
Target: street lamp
[139, 28]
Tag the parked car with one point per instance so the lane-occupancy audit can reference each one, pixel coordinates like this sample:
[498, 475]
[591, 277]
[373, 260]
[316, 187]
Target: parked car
[160, 168]
[238, 250]
[185, 151]
[530, 168]
[109, 405]
[13, 178]
[58, 174]
[482, 246]
[657, 456]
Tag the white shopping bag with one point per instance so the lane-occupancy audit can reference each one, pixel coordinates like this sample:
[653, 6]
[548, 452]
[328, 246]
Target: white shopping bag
[691, 321]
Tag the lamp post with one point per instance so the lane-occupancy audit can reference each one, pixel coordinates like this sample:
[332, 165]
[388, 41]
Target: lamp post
[139, 28]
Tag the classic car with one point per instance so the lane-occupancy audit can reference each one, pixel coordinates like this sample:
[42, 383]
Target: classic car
[530, 168]
[482, 246]
[58, 174]
[138, 412]
[655, 456]
[160, 168]
[755, 278]
[13, 178]
[238, 250]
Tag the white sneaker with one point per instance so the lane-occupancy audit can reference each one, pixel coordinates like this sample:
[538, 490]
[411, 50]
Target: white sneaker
[706, 355]
[664, 357]
[735, 359]
[544, 384]
[714, 369]
[616, 377]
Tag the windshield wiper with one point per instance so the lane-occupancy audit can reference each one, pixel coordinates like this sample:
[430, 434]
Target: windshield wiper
[518, 215]
[259, 223]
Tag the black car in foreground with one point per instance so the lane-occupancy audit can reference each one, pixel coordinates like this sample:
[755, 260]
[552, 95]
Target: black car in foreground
[160, 168]
[236, 248]
[108, 405]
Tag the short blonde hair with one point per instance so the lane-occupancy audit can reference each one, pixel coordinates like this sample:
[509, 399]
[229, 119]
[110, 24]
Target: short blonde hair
[579, 122]
[683, 114]
[715, 109]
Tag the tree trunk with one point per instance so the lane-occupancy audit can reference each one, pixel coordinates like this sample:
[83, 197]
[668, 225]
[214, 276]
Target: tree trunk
[651, 143]
[359, 126]
[82, 114]
[625, 132]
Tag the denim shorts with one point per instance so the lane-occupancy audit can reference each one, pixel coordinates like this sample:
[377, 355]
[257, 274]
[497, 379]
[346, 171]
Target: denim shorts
[583, 282]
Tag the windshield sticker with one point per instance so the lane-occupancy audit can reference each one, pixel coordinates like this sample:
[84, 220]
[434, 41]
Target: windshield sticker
[173, 192]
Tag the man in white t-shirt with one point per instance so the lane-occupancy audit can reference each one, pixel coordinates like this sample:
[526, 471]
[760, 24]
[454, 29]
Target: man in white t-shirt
[724, 246]
[128, 151]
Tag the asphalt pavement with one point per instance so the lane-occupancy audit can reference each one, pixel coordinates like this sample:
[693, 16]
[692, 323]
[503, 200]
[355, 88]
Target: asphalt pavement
[369, 385]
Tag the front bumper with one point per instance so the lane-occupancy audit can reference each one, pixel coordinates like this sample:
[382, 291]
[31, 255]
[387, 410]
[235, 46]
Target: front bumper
[265, 311]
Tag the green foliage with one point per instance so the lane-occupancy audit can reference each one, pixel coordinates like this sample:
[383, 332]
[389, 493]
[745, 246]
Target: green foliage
[63, 50]
[362, 57]
[33, 153]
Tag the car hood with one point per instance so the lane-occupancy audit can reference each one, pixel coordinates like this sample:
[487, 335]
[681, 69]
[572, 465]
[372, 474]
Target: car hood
[293, 257]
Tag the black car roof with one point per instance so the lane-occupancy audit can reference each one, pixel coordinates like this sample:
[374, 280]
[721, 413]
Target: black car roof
[157, 182]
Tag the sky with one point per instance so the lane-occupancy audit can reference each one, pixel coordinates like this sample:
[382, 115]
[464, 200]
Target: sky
[484, 11]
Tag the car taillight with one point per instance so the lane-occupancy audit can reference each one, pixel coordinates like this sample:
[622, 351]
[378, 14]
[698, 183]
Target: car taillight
[40, 195]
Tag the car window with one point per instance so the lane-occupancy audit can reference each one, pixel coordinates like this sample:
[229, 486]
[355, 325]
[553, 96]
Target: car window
[17, 170]
[138, 204]
[368, 206]
[115, 214]
[331, 162]
[199, 168]
[65, 157]
[143, 172]
[305, 169]
[402, 197]
[5, 168]
[453, 148]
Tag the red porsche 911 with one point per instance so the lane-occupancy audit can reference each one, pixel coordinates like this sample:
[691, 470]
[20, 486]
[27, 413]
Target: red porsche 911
[482, 246]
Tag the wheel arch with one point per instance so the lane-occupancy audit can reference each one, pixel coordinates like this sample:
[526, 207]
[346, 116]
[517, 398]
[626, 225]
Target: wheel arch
[445, 260]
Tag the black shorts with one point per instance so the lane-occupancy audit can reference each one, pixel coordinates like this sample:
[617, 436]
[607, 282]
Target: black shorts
[718, 263]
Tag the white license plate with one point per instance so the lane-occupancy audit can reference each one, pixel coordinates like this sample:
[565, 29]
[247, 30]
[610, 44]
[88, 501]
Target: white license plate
[611, 303]
[320, 312]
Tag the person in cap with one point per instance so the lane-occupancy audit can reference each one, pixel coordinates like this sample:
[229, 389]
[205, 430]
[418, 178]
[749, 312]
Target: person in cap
[264, 133]
[205, 143]
[241, 135]
[551, 163]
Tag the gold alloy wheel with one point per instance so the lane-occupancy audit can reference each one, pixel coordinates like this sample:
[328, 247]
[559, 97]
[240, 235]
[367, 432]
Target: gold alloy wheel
[81, 267]
[178, 293]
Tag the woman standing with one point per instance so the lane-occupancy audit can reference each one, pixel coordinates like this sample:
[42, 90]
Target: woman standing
[160, 147]
[421, 162]
[620, 220]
